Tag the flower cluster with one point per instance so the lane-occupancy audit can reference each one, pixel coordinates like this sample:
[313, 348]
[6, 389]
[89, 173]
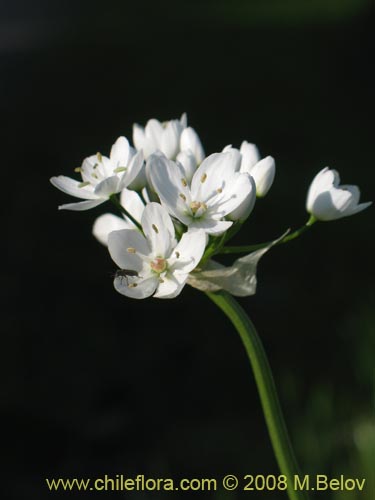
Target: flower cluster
[180, 207]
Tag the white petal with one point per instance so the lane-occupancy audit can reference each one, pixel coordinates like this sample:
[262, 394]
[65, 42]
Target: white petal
[183, 120]
[132, 171]
[132, 203]
[263, 174]
[107, 187]
[71, 186]
[144, 287]
[154, 130]
[245, 208]
[188, 162]
[158, 229]
[118, 244]
[238, 189]
[171, 286]
[190, 141]
[167, 179]
[250, 156]
[214, 173]
[211, 226]
[323, 181]
[141, 142]
[82, 205]
[189, 251]
[120, 152]
[169, 142]
[107, 223]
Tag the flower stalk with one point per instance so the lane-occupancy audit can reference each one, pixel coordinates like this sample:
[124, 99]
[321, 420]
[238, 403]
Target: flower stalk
[118, 205]
[266, 387]
[250, 248]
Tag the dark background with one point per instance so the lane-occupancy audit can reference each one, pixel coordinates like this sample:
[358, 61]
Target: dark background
[93, 383]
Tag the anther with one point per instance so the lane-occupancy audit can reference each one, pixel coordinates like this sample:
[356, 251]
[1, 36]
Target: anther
[219, 190]
[177, 254]
[155, 228]
[132, 285]
[183, 182]
[203, 178]
[99, 156]
[83, 184]
[131, 250]
[120, 169]
[182, 196]
[78, 169]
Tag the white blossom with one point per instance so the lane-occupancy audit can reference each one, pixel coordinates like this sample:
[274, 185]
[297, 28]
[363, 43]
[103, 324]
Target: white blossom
[327, 200]
[217, 189]
[101, 176]
[154, 263]
[262, 170]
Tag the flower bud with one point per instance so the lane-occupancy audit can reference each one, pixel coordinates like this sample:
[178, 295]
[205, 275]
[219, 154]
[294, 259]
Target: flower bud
[263, 174]
[190, 141]
[242, 212]
[326, 200]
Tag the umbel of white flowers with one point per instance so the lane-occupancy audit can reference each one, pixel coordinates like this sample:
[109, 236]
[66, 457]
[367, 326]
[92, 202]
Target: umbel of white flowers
[179, 208]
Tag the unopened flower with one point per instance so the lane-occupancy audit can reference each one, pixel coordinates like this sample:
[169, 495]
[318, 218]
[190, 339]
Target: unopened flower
[154, 263]
[101, 176]
[216, 190]
[327, 200]
[262, 170]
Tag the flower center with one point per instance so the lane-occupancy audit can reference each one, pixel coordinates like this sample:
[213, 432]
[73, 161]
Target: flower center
[198, 206]
[159, 265]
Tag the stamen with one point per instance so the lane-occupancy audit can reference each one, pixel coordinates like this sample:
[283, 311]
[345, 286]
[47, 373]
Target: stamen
[155, 228]
[83, 184]
[120, 169]
[196, 205]
[219, 190]
[100, 158]
[182, 196]
[203, 178]
[177, 254]
[95, 176]
[159, 265]
[132, 285]
[161, 280]
[131, 250]
[184, 183]
[95, 166]
[78, 169]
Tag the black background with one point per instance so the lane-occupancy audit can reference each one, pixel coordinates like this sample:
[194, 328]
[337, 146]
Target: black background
[94, 383]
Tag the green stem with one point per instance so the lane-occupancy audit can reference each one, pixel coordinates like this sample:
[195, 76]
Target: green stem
[118, 205]
[266, 387]
[251, 248]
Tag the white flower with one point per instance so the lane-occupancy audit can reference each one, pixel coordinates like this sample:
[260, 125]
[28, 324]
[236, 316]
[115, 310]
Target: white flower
[217, 188]
[106, 223]
[156, 136]
[262, 170]
[171, 138]
[191, 143]
[154, 264]
[326, 200]
[101, 176]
